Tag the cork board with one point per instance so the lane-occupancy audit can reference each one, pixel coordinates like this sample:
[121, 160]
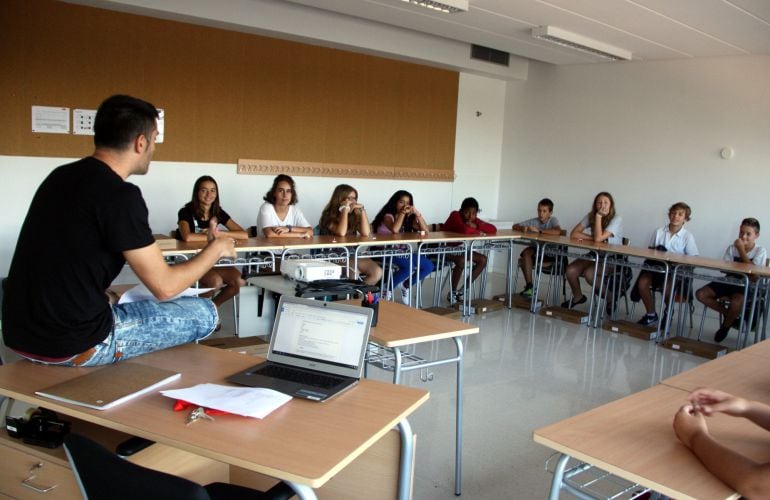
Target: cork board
[227, 95]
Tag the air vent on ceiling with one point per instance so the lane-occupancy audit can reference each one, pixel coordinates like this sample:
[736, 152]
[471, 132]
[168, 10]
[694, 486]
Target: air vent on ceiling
[487, 54]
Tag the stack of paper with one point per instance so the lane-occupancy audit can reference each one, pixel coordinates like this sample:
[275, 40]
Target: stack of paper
[252, 402]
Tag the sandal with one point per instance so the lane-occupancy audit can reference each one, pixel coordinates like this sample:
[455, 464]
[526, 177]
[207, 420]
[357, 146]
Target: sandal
[569, 304]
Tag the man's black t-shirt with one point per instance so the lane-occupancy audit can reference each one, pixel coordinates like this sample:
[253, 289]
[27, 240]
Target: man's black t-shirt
[81, 219]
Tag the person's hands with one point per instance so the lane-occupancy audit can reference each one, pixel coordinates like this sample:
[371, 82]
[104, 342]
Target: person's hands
[279, 229]
[213, 230]
[688, 424]
[532, 229]
[709, 401]
[740, 245]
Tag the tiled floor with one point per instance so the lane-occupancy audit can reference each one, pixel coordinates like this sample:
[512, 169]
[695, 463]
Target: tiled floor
[522, 371]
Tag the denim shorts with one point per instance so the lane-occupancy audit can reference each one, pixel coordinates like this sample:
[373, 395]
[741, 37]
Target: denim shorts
[146, 326]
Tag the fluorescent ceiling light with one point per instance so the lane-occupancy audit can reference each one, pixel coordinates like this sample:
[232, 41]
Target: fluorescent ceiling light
[580, 42]
[448, 6]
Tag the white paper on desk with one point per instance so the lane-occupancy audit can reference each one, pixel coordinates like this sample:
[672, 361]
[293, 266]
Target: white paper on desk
[141, 292]
[252, 402]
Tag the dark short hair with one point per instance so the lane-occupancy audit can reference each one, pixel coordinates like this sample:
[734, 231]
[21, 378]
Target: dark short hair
[680, 205]
[469, 203]
[751, 222]
[270, 195]
[546, 202]
[120, 119]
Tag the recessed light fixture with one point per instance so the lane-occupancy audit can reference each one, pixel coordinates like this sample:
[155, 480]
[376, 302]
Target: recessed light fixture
[448, 6]
[579, 42]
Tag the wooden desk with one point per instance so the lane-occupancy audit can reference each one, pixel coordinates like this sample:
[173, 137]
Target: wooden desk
[633, 438]
[761, 349]
[399, 326]
[303, 443]
[738, 373]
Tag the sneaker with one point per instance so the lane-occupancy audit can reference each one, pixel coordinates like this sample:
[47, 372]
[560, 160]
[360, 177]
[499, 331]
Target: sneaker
[454, 296]
[404, 294]
[527, 292]
[648, 319]
[721, 333]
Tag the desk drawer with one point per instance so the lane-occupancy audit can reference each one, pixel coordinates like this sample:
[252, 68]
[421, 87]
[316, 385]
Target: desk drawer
[16, 468]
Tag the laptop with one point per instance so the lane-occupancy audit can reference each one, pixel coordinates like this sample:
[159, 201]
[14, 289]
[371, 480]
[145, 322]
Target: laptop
[316, 350]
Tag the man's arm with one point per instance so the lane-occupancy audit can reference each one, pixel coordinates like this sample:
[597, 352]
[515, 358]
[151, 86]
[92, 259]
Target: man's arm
[165, 281]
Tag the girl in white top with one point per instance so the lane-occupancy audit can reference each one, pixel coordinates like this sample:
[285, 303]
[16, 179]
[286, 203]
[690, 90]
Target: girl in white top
[601, 224]
[279, 215]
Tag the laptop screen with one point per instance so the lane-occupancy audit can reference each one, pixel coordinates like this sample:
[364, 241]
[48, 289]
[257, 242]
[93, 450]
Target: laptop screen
[316, 331]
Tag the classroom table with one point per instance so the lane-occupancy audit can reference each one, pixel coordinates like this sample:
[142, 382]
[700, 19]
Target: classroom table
[738, 373]
[441, 244]
[399, 326]
[594, 252]
[303, 443]
[633, 438]
[503, 239]
[387, 246]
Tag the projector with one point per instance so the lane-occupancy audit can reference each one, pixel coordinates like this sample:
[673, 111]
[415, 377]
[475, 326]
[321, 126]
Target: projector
[310, 270]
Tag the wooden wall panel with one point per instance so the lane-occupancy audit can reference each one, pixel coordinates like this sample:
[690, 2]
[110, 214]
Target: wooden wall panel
[227, 95]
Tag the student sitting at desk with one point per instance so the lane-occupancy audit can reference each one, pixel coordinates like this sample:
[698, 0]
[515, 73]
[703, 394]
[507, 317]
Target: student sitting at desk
[747, 477]
[59, 312]
[344, 215]
[193, 222]
[544, 223]
[601, 224]
[399, 215]
[743, 249]
[279, 215]
[466, 221]
[672, 237]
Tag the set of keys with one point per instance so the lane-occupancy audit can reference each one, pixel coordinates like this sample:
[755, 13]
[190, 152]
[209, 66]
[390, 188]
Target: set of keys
[198, 414]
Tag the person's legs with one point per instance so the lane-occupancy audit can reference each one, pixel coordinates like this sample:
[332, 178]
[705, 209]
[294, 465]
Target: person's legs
[426, 267]
[371, 269]
[577, 268]
[644, 288]
[708, 296]
[527, 264]
[231, 277]
[402, 271]
[148, 326]
[211, 279]
[479, 263]
[458, 269]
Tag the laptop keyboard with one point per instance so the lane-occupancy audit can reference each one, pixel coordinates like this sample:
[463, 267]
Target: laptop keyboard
[298, 376]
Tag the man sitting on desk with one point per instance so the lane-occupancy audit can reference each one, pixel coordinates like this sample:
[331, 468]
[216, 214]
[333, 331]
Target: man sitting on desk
[84, 223]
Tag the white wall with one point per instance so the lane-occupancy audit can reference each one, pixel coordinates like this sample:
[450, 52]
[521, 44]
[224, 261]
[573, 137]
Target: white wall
[168, 185]
[648, 132]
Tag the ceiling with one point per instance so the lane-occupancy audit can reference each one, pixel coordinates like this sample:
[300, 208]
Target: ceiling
[649, 29]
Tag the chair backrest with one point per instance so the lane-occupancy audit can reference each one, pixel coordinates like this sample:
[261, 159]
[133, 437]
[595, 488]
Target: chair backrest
[102, 474]
[252, 232]
[436, 226]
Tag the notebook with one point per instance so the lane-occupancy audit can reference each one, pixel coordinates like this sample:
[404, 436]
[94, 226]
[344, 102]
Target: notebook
[103, 388]
[316, 349]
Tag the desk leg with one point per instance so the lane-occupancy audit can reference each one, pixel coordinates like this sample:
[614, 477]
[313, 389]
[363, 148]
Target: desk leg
[304, 492]
[398, 368]
[459, 420]
[407, 460]
[558, 477]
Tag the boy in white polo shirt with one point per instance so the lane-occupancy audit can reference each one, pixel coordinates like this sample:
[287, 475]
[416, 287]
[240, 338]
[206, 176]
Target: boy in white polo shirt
[672, 237]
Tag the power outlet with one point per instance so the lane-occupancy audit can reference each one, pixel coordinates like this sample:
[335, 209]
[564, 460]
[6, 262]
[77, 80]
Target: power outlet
[83, 121]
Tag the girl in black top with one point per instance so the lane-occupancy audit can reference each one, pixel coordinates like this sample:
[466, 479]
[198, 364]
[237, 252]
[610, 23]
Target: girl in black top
[195, 220]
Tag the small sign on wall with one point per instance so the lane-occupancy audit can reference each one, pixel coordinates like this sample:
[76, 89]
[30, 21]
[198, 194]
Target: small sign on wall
[50, 120]
[83, 121]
